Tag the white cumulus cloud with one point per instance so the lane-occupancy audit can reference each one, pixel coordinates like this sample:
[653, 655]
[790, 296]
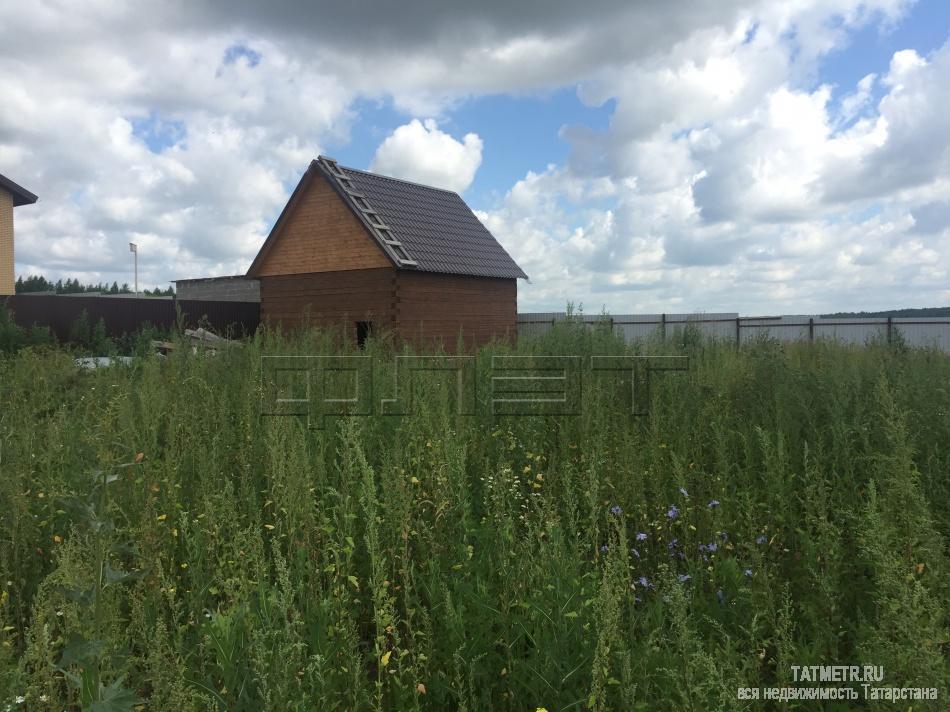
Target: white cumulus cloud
[421, 152]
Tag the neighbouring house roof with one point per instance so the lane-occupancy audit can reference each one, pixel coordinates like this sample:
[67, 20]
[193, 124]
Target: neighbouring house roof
[21, 196]
[417, 226]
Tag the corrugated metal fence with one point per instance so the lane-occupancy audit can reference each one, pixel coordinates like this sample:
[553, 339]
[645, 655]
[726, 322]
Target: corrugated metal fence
[914, 331]
[123, 315]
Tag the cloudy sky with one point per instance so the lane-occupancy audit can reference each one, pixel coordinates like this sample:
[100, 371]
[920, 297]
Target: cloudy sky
[766, 156]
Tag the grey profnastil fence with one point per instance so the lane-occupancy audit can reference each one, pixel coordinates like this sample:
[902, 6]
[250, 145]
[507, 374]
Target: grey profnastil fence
[914, 331]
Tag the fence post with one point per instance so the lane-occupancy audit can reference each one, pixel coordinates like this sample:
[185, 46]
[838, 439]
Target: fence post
[890, 328]
[663, 325]
[738, 333]
[811, 328]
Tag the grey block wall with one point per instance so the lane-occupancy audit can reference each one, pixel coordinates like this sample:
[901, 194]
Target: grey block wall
[222, 289]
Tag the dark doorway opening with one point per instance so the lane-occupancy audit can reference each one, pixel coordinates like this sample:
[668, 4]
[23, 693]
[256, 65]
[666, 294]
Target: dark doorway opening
[363, 330]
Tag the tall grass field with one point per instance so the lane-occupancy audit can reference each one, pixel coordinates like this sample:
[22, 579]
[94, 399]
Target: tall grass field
[166, 546]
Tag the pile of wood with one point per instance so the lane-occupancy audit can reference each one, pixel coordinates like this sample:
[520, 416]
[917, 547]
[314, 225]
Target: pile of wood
[201, 339]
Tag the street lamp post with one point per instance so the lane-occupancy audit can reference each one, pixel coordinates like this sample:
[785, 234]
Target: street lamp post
[134, 249]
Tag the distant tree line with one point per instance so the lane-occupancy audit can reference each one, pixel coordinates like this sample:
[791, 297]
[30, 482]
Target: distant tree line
[899, 313]
[37, 283]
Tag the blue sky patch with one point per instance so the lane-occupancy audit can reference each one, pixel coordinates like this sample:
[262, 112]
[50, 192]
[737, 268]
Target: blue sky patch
[240, 51]
[158, 134]
[520, 134]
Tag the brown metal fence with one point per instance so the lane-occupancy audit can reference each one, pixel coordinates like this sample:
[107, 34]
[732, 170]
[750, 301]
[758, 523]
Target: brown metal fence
[125, 315]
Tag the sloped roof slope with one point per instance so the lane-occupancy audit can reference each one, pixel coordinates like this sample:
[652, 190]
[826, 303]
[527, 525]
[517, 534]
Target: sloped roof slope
[417, 226]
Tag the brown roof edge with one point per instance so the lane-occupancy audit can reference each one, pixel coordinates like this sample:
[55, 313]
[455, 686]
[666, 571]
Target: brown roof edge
[21, 196]
[321, 166]
[314, 167]
[252, 271]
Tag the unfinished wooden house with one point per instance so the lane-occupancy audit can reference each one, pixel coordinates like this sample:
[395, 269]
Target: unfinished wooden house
[364, 252]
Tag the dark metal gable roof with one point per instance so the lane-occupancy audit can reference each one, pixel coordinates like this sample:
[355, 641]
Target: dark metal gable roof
[420, 227]
[21, 196]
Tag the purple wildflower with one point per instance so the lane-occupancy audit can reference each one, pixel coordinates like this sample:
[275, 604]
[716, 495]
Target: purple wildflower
[748, 572]
[711, 547]
[761, 539]
[616, 510]
[673, 544]
[684, 578]
[603, 548]
[672, 512]
[644, 581]
[641, 536]
[713, 503]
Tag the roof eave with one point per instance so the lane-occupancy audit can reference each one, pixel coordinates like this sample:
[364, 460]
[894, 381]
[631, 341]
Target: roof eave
[252, 271]
[21, 196]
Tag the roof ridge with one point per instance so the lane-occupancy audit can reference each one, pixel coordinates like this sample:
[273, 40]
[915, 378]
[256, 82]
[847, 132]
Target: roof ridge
[400, 180]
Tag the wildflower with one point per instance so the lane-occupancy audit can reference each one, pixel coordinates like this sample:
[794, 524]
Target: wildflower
[720, 596]
[748, 572]
[641, 536]
[635, 553]
[644, 581]
[713, 503]
[20, 699]
[684, 492]
[683, 578]
[761, 539]
[672, 512]
[162, 517]
[603, 548]
[541, 709]
[616, 510]
[673, 544]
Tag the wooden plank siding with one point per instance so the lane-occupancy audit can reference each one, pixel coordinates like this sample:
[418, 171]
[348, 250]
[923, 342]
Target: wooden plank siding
[329, 299]
[435, 308]
[320, 234]
[423, 308]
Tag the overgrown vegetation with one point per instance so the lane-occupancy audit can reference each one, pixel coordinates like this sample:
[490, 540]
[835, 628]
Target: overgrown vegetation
[84, 339]
[164, 543]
